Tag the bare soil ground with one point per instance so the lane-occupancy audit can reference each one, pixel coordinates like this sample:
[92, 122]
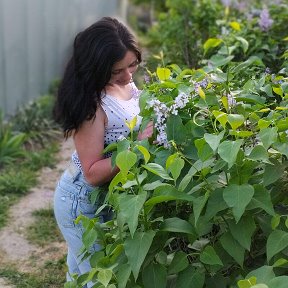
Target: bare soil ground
[15, 249]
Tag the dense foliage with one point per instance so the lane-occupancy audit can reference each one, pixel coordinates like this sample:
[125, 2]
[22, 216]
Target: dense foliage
[204, 204]
[181, 29]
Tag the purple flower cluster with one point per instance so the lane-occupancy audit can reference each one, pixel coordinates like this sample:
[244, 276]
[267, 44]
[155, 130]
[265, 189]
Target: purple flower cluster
[226, 2]
[265, 22]
[147, 78]
[135, 92]
[267, 71]
[203, 84]
[231, 100]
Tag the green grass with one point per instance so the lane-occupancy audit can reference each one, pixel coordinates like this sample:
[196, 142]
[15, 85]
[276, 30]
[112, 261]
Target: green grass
[5, 203]
[44, 230]
[35, 160]
[19, 167]
[17, 180]
[51, 275]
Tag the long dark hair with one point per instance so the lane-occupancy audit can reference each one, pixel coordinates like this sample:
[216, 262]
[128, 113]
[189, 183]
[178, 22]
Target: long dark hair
[96, 50]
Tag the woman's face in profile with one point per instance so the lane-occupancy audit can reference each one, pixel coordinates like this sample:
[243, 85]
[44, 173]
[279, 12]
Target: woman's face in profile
[123, 70]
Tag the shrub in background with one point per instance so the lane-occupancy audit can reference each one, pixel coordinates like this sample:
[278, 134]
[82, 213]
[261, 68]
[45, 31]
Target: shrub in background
[36, 121]
[27, 143]
[182, 27]
[11, 143]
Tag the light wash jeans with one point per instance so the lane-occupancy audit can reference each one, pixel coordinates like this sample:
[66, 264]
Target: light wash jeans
[71, 199]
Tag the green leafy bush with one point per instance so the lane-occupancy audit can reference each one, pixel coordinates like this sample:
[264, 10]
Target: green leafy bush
[185, 25]
[27, 143]
[11, 143]
[36, 121]
[206, 205]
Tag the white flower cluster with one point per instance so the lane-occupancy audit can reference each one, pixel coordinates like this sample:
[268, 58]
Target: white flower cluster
[162, 111]
[180, 102]
[231, 100]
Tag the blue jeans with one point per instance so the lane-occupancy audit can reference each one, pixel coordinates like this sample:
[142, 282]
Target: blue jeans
[72, 198]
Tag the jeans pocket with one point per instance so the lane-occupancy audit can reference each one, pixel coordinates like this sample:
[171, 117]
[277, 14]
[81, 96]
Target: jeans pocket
[65, 206]
[85, 206]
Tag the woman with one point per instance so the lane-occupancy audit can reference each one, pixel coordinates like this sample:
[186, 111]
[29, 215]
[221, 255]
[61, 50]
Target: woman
[96, 96]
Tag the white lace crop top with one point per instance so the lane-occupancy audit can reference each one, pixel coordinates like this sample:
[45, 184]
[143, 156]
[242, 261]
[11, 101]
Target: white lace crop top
[117, 111]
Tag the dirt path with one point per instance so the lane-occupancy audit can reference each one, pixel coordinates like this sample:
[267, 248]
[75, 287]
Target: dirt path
[14, 247]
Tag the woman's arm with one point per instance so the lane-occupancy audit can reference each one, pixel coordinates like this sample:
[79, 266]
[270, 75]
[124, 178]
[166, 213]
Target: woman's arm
[89, 143]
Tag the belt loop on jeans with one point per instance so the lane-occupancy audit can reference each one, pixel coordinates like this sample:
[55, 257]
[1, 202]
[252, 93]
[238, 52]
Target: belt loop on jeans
[73, 170]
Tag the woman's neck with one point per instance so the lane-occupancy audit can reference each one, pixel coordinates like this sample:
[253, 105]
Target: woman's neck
[119, 92]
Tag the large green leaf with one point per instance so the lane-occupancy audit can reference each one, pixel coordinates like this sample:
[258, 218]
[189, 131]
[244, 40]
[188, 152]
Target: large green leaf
[176, 167]
[244, 43]
[154, 276]
[189, 278]
[276, 242]
[116, 180]
[123, 275]
[177, 225]
[235, 120]
[221, 117]
[130, 207]
[89, 237]
[144, 152]
[204, 151]
[238, 197]
[268, 136]
[211, 43]
[282, 125]
[218, 60]
[210, 257]
[196, 167]
[261, 199]
[233, 248]
[125, 160]
[104, 276]
[259, 153]
[136, 249]
[272, 173]
[281, 147]
[215, 203]
[163, 73]
[179, 263]
[214, 140]
[157, 170]
[278, 282]
[153, 185]
[167, 193]
[198, 205]
[228, 151]
[263, 274]
[243, 231]
[175, 129]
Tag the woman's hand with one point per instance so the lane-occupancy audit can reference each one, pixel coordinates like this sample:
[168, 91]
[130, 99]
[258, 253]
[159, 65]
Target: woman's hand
[147, 132]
